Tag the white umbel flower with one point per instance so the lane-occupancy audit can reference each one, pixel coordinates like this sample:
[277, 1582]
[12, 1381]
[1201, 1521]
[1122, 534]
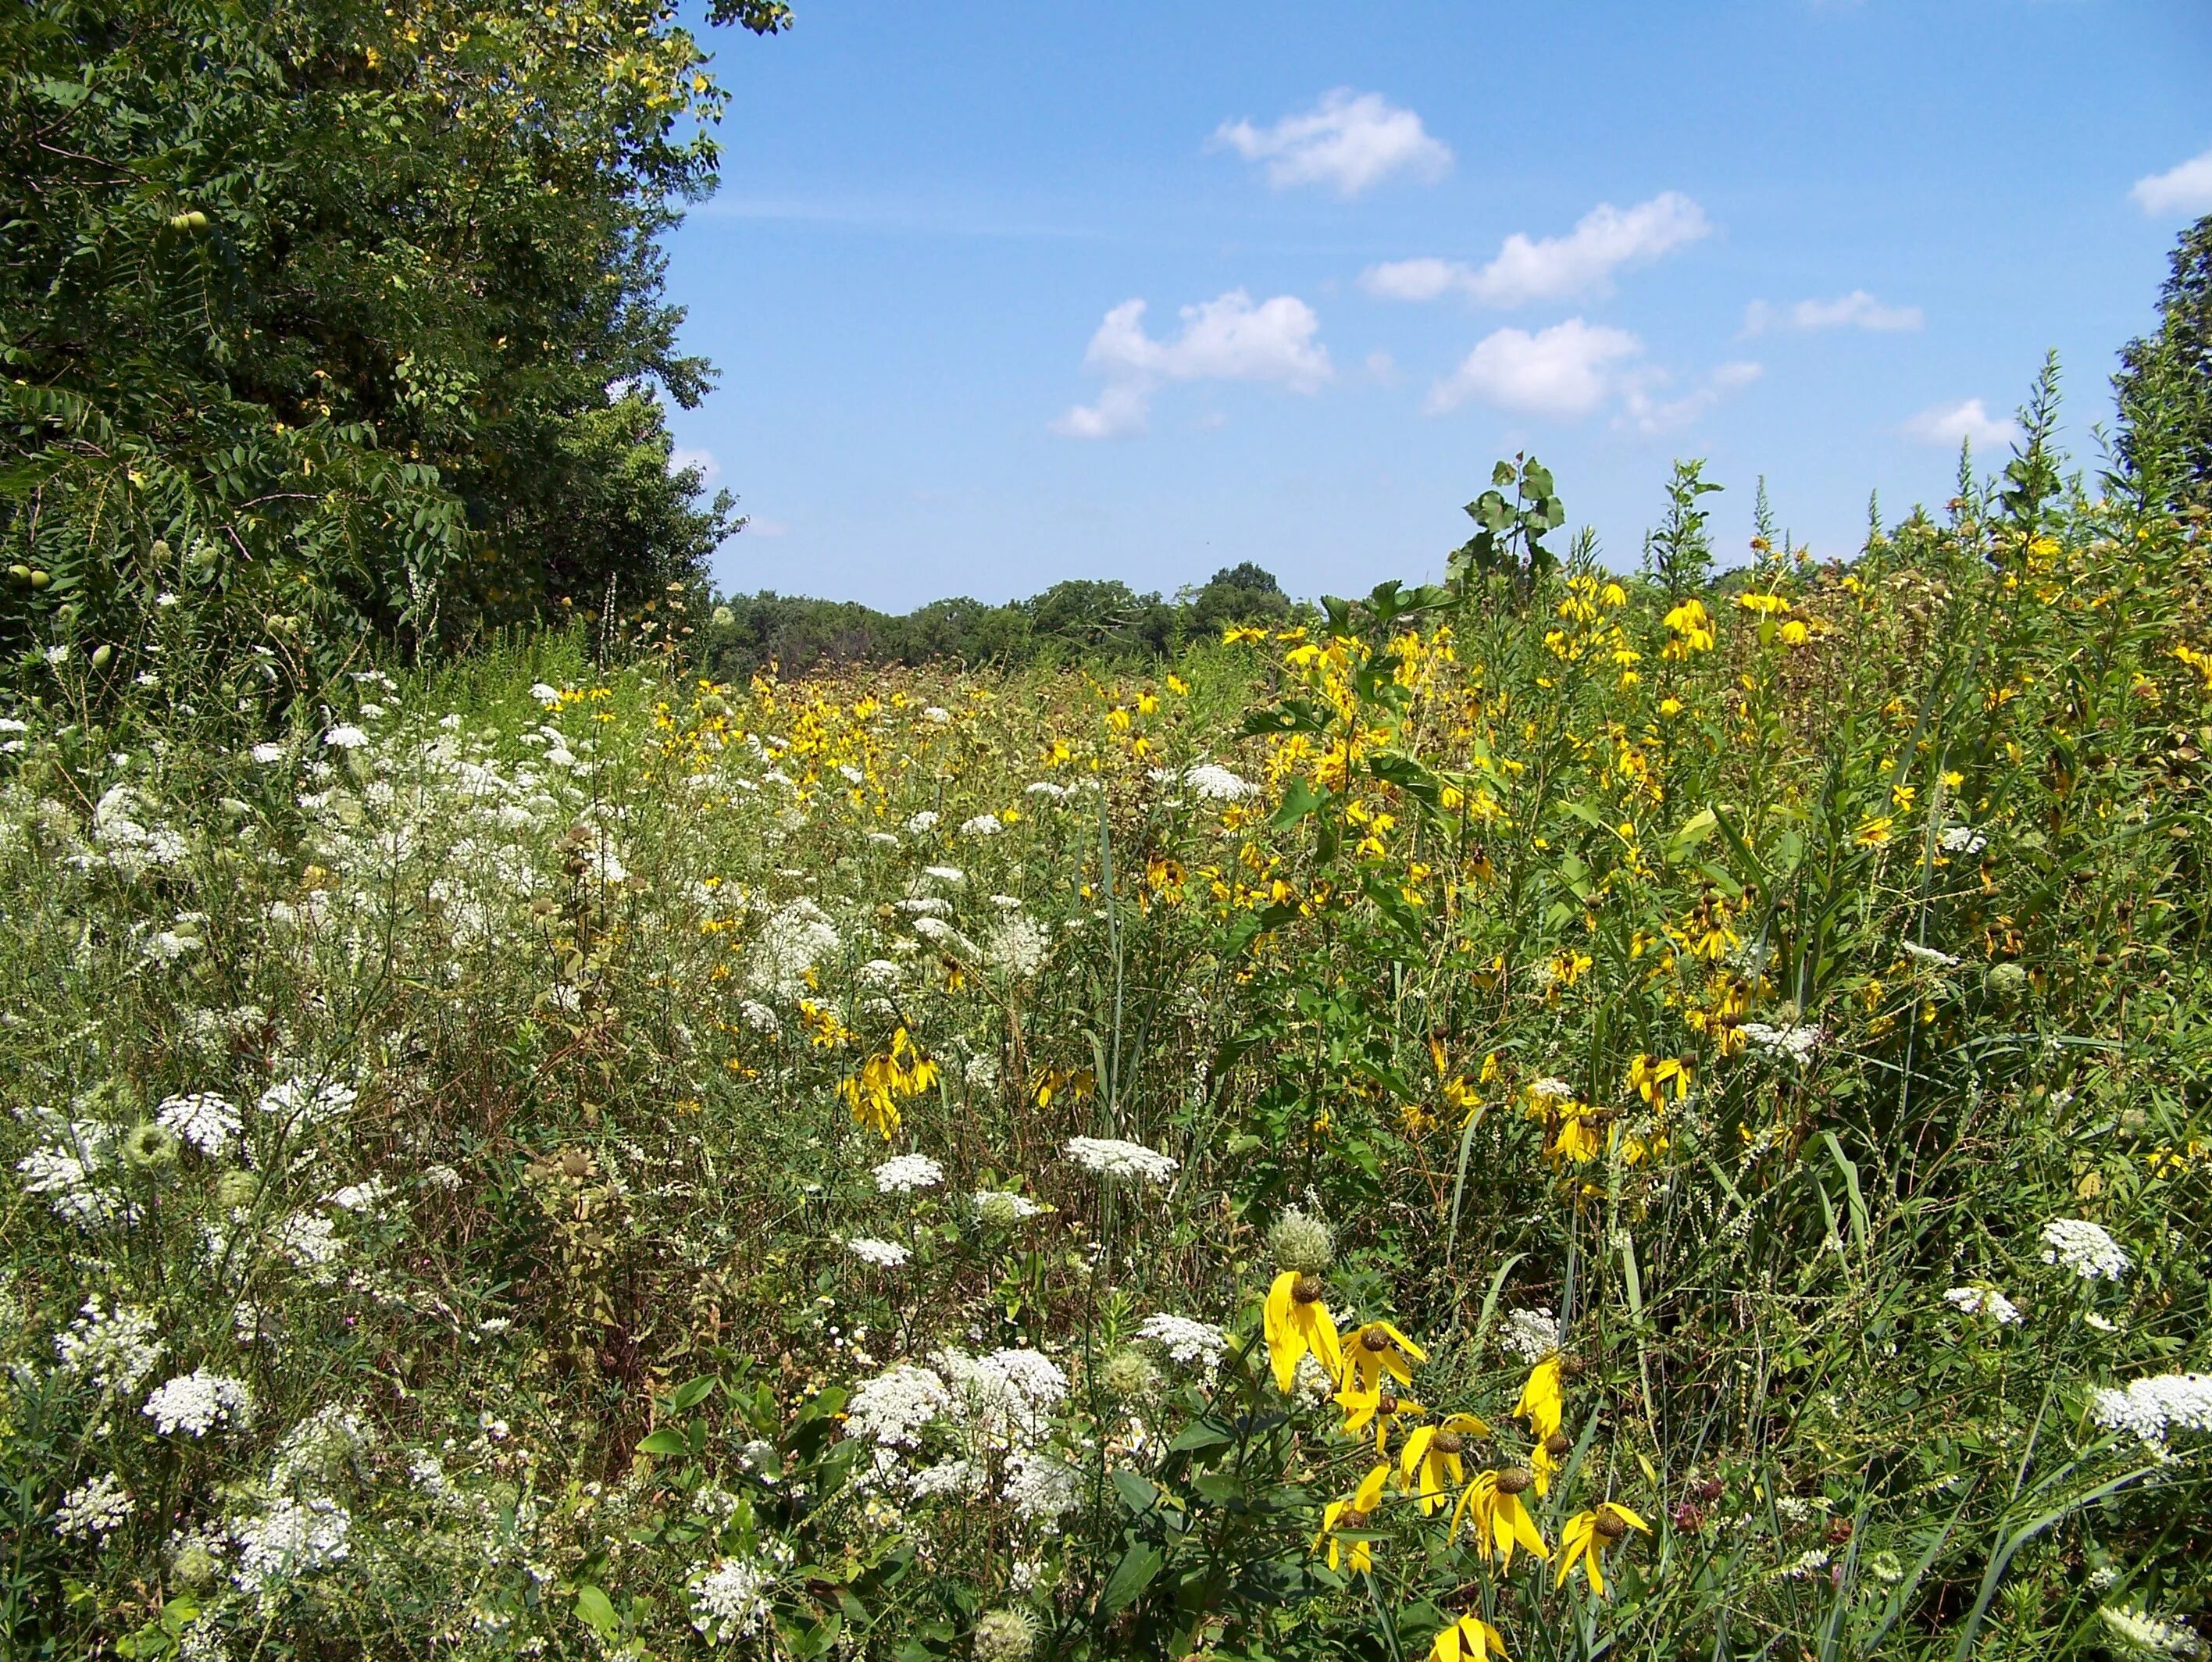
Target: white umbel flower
[983, 825]
[1019, 945]
[1929, 955]
[1109, 1157]
[1215, 783]
[884, 1254]
[2153, 1635]
[345, 737]
[209, 1122]
[1984, 1301]
[1194, 1344]
[904, 1174]
[2084, 1248]
[310, 1101]
[93, 1510]
[730, 1596]
[891, 1409]
[1003, 1206]
[293, 1538]
[114, 1348]
[1961, 840]
[198, 1402]
[1789, 1043]
[1531, 1335]
[2153, 1407]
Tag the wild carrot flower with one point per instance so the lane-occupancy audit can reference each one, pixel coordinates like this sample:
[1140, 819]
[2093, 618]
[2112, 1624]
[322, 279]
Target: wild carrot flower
[1585, 1537]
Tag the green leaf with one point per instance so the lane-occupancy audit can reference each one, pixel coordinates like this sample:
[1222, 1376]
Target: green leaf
[1136, 1493]
[1201, 1435]
[1300, 800]
[692, 1392]
[596, 1611]
[1130, 1578]
[664, 1441]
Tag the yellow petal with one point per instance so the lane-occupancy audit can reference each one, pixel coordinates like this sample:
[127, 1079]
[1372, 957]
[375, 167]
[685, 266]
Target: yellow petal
[1629, 1518]
[1402, 1342]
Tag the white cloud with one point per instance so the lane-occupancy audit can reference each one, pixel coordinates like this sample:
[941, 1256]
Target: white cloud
[1382, 368]
[2184, 190]
[709, 470]
[1349, 141]
[1568, 369]
[1946, 424]
[1225, 339]
[1604, 240]
[1651, 416]
[1856, 310]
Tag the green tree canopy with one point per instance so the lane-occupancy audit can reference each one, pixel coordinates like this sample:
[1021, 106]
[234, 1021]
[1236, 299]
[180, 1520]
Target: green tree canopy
[2165, 385]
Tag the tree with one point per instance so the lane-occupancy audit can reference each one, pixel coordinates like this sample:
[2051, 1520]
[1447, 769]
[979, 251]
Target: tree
[1243, 593]
[2165, 386]
[1679, 552]
[346, 308]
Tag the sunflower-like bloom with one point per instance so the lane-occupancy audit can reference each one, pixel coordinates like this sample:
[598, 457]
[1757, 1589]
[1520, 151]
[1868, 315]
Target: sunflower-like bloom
[1297, 1321]
[1430, 1462]
[1548, 1458]
[1470, 1639]
[1352, 1515]
[1542, 1403]
[1501, 1522]
[1380, 1408]
[1377, 1349]
[1586, 1536]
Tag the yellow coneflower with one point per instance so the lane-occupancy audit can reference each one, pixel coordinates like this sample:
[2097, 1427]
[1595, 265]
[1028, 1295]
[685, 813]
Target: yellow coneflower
[1429, 1465]
[1298, 1322]
[1587, 1535]
[1542, 1403]
[1353, 1514]
[1470, 1639]
[1549, 1456]
[1378, 1408]
[1375, 1349]
[1501, 1520]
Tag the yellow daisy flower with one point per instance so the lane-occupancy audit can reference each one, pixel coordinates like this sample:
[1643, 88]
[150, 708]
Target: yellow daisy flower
[1377, 1349]
[1298, 1322]
[1502, 1523]
[1587, 1535]
[1433, 1452]
[1379, 1408]
[1470, 1639]
[1542, 1403]
[1353, 1514]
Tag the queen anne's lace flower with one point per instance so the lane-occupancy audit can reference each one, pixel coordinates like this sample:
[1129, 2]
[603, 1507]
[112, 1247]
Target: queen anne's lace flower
[114, 1348]
[209, 1122]
[1194, 1344]
[310, 1101]
[983, 825]
[2153, 1635]
[1531, 1335]
[730, 1597]
[292, 1537]
[96, 1509]
[1215, 783]
[891, 1409]
[1109, 1157]
[1792, 1043]
[1003, 1206]
[885, 1254]
[2151, 1408]
[1019, 945]
[1929, 956]
[905, 1172]
[1040, 1488]
[198, 1402]
[1984, 1301]
[2084, 1249]
[1961, 840]
[345, 737]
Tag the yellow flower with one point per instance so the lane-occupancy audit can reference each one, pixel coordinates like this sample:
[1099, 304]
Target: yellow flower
[1433, 1452]
[1873, 833]
[1541, 1404]
[1380, 1407]
[1298, 1322]
[1549, 1455]
[1378, 1348]
[1353, 1514]
[1587, 1534]
[1470, 1639]
[1501, 1522]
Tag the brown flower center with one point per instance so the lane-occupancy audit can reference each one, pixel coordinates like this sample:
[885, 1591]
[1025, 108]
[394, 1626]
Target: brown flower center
[1375, 1340]
[1557, 1445]
[1308, 1289]
[1447, 1442]
[1514, 1479]
[1610, 1524]
[1354, 1519]
[1386, 1403]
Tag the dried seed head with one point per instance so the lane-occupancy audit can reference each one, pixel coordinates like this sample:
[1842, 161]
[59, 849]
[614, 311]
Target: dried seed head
[1301, 1241]
[1514, 1479]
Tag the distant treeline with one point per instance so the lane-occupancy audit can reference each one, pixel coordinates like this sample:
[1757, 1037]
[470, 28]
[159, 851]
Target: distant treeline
[1079, 619]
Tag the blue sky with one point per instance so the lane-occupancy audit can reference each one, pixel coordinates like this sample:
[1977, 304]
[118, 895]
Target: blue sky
[1008, 293]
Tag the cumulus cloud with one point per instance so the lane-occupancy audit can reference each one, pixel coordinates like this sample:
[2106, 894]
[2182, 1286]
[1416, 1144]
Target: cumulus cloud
[2184, 190]
[1569, 369]
[1642, 409]
[1947, 424]
[1856, 310]
[1349, 141]
[681, 457]
[1225, 339]
[1604, 240]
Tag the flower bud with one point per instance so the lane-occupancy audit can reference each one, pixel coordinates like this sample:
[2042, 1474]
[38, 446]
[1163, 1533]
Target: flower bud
[1302, 1242]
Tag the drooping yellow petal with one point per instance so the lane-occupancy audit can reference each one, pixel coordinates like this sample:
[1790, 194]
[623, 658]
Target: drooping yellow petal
[1628, 1517]
[1368, 1494]
[1321, 1337]
[1283, 1348]
[1541, 1402]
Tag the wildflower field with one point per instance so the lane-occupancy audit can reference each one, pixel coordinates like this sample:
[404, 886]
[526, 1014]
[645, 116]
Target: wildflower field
[1559, 1115]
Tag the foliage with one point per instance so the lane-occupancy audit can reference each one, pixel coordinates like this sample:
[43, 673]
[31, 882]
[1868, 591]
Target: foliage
[345, 312]
[2165, 386]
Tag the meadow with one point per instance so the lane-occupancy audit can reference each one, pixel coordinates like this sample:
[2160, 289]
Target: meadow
[1559, 1115]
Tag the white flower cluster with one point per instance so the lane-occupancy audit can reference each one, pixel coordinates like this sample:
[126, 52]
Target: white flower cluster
[97, 1507]
[922, 824]
[1019, 945]
[1004, 1398]
[2153, 1407]
[884, 1254]
[309, 1102]
[892, 1409]
[996, 1409]
[1550, 1086]
[1109, 1157]
[983, 825]
[198, 1402]
[2084, 1248]
[113, 1347]
[1003, 1206]
[1531, 1335]
[730, 1596]
[1215, 783]
[1792, 1043]
[1194, 1344]
[127, 845]
[1041, 1488]
[291, 1536]
[209, 1122]
[1984, 1301]
[70, 1165]
[793, 941]
[902, 1174]
[1961, 840]
[1929, 955]
[2140, 1631]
